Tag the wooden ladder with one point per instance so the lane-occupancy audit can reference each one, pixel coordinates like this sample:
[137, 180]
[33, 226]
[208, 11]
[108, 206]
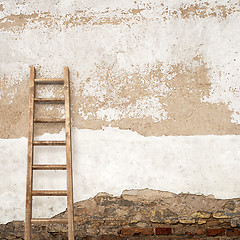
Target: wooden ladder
[32, 143]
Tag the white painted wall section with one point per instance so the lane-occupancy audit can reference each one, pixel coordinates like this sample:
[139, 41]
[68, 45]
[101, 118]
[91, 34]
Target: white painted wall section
[112, 160]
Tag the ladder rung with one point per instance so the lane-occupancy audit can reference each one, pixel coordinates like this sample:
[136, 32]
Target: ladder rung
[49, 167]
[44, 143]
[49, 80]
[49, 100]
[48, 220]
[49, 193]
[60, 120]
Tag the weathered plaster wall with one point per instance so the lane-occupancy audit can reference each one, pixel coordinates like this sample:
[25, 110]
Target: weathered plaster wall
[155, 68]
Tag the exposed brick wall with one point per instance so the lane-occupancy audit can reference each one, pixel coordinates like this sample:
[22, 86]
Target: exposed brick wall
[147, 214]
[187, 231]
[15, 230]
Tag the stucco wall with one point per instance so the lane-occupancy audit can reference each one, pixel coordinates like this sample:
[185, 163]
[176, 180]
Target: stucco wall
[157, 68]
[143, 69]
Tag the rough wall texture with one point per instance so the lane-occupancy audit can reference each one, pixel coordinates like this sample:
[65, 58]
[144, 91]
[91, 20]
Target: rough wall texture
[144, 214]
[158, 68]
[155, 68]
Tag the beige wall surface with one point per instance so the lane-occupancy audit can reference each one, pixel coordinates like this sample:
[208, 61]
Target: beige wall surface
[158, 68]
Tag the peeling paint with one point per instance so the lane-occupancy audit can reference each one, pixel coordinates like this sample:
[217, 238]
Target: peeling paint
[1, 7]
[154, 68]
[147, 66]
[95, 14]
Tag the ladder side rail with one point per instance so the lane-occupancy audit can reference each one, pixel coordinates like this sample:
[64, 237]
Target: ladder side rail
[68, 156]
[28, 209]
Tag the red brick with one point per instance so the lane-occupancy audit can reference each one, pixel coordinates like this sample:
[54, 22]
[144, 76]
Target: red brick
[192, 239]
[215, 232]
[163, 231]
[189, 234]
[137, 231]
[233, 232]
[108, 237]
[200, 232]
